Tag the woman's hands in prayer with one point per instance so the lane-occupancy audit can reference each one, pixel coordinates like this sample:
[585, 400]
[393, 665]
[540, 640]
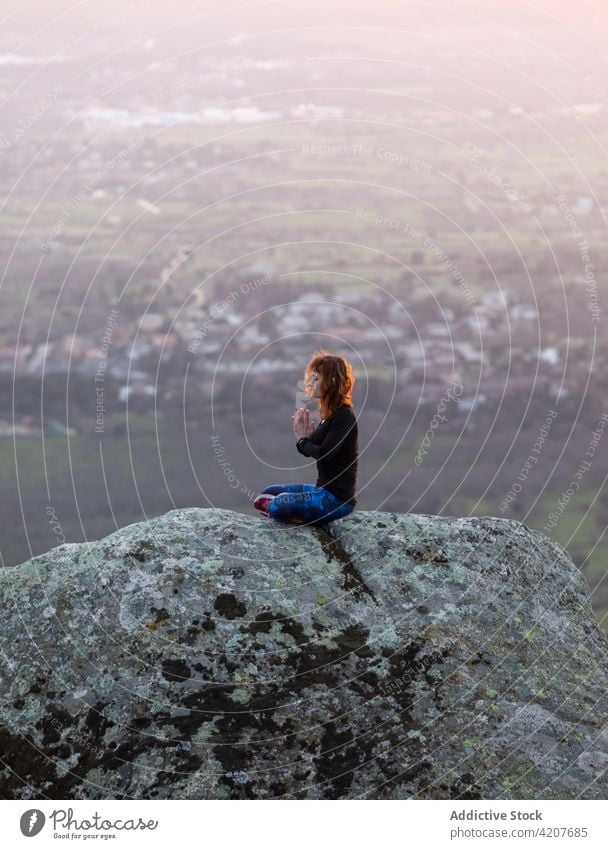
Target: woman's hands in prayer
[302, 426]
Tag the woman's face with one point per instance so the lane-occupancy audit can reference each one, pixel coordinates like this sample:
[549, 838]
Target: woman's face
[315, 380]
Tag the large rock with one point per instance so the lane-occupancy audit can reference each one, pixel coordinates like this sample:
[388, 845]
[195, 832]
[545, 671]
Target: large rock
[208, 654]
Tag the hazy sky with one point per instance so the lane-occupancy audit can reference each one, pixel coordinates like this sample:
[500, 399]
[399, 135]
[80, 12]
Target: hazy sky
[210, 17]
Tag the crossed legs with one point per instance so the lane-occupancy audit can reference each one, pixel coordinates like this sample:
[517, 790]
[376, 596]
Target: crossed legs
[304, 503]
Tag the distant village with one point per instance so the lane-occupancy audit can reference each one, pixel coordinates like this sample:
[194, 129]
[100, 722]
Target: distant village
[427, 354]
[143, 358]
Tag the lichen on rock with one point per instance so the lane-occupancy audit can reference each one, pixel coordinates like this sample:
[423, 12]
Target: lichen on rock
[209, 655]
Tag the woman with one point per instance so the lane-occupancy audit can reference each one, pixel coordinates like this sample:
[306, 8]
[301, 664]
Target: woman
[333, 444]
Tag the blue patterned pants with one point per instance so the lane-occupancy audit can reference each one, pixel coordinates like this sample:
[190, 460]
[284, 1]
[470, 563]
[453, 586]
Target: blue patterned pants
[305, 503]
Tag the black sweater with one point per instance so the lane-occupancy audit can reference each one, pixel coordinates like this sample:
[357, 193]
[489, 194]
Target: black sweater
[335, 446]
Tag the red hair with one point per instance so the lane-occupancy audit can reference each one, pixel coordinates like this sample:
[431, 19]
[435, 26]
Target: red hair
[337, 380]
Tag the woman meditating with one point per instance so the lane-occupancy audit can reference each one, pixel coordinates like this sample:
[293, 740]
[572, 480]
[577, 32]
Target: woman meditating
[333, 444]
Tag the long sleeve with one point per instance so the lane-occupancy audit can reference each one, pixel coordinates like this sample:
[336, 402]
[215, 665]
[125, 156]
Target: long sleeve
[339, 428]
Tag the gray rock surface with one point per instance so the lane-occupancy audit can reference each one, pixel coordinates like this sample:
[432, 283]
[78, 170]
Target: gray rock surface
[208, 654]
